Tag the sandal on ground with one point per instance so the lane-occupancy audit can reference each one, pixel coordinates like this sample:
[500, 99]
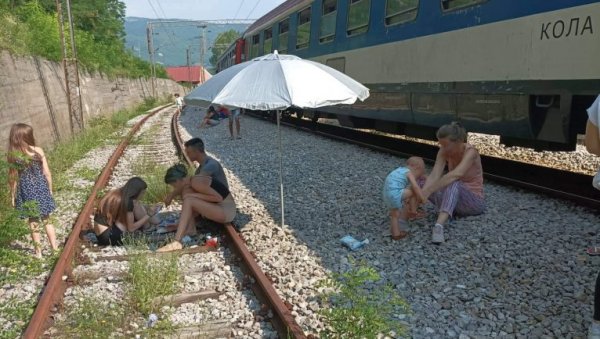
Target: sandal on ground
[400, 235]
[173, 246]
[593, 250]
[418, 215]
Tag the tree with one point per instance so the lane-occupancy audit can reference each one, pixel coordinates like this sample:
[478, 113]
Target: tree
[104, 19]
[222, 42]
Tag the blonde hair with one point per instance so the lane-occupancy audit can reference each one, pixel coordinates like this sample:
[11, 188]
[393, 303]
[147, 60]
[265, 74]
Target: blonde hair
[453, 131]
[416, 161]
[20, 140]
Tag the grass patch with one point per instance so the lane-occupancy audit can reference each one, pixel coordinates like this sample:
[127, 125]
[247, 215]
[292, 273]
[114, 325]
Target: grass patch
[18, 312]
[16, 267]
[91, 318]
[136, 243]
[355, 305]
[86, 173]
[152, 277]
[153, 174]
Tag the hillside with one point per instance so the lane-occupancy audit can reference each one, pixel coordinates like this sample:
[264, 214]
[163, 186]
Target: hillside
[172, 40]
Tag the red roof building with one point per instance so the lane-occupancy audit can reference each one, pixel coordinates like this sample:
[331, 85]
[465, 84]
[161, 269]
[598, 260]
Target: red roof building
[188, 74]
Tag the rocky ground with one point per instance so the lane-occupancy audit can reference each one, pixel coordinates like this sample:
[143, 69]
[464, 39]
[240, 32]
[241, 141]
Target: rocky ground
[579, 160]
[200, 271]
[235, 306]
[519, 270]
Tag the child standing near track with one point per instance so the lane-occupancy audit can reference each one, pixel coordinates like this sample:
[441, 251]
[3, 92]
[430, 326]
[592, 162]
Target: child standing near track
[401, 187]
[30, 183]
[179, 102]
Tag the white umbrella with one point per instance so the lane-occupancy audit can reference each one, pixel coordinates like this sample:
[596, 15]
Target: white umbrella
[276, 82]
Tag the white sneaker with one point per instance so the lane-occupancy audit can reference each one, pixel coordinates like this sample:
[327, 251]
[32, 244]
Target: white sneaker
[594, 331]
[596, 180]
[437, 235]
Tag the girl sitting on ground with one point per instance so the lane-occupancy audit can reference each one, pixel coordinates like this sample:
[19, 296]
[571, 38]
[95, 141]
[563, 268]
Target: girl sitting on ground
[212, 118]
[120, 211]
[201, 195]
[401, 188]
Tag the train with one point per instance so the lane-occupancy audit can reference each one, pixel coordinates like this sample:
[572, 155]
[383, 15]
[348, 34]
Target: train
[523, 70]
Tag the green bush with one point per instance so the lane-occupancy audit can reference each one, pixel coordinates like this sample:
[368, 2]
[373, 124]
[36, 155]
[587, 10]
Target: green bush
[353, 310]
[12, 227]
[42, 34]
[30, 27]
[91, 318]
[152, 277]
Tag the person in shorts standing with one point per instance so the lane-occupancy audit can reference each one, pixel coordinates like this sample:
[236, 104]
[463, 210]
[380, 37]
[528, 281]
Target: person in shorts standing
[236, 113]
[179, 102]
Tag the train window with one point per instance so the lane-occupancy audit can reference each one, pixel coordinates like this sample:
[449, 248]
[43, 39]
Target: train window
[284, 28]
[448, 5]
[268, 48]
[329, 13]
[303, 35]
[400, 11]
[254, 46]
[358, 16]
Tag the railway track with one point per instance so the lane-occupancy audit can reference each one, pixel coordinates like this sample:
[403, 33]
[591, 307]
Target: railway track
[79, 266]
[556, 183]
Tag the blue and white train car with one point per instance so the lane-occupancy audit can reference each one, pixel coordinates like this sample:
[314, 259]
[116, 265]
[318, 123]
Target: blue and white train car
[522, 69]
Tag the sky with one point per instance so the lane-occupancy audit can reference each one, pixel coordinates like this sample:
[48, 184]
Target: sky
[200, 9]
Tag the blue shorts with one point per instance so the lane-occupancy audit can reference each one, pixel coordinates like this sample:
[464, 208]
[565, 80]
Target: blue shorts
[393, 197]
[235, 114]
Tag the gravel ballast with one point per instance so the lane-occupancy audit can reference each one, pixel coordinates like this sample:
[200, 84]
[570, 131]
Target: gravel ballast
[519, 270]
[200, 271]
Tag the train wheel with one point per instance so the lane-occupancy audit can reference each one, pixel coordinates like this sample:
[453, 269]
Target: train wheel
[315, 117]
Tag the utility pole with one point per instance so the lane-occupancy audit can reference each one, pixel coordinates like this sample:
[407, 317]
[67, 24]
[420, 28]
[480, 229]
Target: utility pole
[150, 36]
[202, 43]
[187, 51]
[71, 70]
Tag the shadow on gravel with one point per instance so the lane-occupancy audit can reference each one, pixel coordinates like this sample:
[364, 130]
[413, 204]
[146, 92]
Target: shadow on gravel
[241, 220]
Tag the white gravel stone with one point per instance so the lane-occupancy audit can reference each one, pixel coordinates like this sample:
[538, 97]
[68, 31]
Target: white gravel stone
[523, 257]
[580, 160]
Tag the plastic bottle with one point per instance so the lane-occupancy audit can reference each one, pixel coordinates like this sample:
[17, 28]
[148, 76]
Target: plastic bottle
[211, 241]
[352, 243]
[152, 319]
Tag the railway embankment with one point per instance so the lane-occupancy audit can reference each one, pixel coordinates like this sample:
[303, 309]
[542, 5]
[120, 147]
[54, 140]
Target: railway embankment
[32, 91]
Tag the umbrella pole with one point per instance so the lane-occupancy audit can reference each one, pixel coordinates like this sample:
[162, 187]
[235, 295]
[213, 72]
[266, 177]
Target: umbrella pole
[280, 169]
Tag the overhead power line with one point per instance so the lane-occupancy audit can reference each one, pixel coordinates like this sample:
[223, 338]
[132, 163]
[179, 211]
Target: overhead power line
[253, 8]
[238, 10]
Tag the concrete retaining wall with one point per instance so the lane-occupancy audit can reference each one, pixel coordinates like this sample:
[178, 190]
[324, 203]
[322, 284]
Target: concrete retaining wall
[22, 99]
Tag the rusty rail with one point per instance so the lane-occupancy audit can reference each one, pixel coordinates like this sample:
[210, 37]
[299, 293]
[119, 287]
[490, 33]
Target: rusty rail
[283, 321]
[54, 288]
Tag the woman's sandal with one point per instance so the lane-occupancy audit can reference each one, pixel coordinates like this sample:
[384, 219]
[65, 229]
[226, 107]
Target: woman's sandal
[593, 250]
[173, 246]
[400, 235]
[418, 215]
